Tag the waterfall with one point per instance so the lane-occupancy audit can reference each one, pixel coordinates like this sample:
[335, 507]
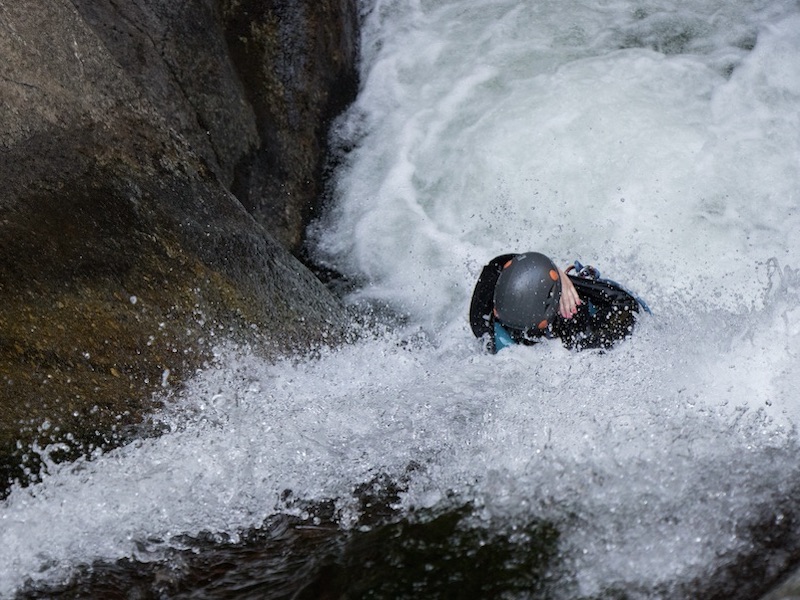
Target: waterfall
[657, 140]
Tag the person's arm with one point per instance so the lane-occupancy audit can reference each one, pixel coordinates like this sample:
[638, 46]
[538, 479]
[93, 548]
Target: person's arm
[570, 301]
[480, 310]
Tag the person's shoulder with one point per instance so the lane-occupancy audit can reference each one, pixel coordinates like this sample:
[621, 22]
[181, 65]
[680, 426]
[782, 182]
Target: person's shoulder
[607, 291]
[500, 260]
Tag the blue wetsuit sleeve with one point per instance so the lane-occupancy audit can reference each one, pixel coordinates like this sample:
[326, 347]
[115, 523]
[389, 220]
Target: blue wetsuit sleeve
[501, 337]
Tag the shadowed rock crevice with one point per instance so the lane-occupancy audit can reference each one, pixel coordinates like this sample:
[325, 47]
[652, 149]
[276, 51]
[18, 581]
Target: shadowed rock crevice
[252, 85]
[297, 62]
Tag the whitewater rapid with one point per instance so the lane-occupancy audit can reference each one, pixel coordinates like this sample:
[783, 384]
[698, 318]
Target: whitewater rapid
[656, 140]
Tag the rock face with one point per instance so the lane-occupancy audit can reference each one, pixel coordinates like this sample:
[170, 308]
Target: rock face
[251, 84]
[297, 60]
[157, 159]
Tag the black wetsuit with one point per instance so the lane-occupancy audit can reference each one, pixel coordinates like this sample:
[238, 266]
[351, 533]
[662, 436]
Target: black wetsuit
[607, 314]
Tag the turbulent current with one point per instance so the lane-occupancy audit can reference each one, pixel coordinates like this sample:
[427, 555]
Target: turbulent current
[658, 140]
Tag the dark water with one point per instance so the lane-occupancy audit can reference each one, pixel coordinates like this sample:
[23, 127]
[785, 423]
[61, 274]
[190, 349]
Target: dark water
[441, 554]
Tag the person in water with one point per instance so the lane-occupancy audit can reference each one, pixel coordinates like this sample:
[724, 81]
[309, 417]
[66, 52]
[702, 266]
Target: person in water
[524, 298]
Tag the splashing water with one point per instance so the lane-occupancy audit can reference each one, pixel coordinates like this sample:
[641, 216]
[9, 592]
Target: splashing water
[655, 140]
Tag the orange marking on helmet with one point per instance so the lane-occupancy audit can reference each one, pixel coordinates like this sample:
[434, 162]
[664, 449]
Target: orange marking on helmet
[508, 264]
[494, 310]
[543, 324]
[553, 274]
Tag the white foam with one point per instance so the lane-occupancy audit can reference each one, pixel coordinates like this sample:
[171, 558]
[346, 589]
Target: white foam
[506, 135]
[646, 444]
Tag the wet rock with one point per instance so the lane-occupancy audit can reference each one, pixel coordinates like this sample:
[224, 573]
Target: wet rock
[251, 84]
[444, 553]
[125, 255]
[298, 64]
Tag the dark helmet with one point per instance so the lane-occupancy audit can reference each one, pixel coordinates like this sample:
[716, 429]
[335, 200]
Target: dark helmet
[527, 292]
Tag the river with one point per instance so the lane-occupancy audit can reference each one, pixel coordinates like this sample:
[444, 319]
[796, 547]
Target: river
[655, 139]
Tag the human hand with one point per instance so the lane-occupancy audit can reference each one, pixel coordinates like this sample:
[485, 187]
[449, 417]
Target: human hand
[570, 301]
